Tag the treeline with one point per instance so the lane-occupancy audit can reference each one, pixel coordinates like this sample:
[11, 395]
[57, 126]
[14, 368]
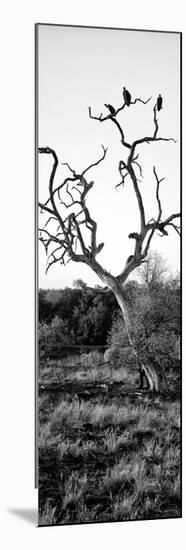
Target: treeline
[76, 315]
[83, 316]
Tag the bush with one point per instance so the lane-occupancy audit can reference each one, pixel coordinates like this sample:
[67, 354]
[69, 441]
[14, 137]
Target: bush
[155, 321]
[53, 337]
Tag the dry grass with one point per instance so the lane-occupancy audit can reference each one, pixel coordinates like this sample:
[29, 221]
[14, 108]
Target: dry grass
[104, 457]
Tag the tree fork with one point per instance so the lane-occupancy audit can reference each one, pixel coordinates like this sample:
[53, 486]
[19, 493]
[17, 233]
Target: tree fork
[70, 241]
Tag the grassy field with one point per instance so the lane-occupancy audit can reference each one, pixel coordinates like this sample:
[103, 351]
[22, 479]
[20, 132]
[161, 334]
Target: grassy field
[107, 452]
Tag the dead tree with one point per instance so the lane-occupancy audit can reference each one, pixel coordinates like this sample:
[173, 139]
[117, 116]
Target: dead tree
[153, 271]
[70, 232]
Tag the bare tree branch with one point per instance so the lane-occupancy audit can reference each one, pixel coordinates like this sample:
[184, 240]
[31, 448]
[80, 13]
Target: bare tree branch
[141, 101]
[76, 236]
[118, 110]
[177, 229]
[96, 163]
[148, 139]
[134, 161]
[125, 169]
[123, 141]
[71, 234]
[157, 194]
[79, 229]
[122, 166]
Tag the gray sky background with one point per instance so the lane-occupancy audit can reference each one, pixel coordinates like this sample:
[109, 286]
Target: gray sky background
[80, 67]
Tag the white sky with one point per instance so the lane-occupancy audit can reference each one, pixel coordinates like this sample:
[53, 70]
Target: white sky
[80, 67]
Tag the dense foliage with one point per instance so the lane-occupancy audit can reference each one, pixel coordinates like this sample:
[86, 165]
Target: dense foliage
[83, 316]
[73, 316]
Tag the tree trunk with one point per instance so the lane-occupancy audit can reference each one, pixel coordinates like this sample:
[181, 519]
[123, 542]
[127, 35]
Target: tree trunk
[150, 371]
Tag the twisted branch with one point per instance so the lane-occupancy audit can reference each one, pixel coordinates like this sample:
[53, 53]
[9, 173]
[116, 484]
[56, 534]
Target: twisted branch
[70, 234]
[71, 229]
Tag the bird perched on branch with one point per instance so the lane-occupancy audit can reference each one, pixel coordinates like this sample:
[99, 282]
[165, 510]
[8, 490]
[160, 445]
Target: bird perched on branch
[126, 96]
[159, 102]
[110, 108]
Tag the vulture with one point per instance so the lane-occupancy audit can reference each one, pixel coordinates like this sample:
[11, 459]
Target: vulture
[126, 96]
[110, 108]
[159, 102]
